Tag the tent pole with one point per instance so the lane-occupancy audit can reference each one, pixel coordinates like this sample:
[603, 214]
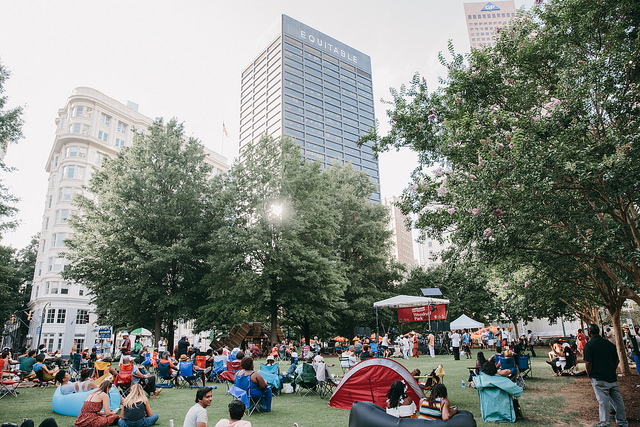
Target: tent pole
[377, 328]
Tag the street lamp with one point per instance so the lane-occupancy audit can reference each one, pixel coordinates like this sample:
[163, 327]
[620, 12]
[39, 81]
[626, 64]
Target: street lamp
[44, 310]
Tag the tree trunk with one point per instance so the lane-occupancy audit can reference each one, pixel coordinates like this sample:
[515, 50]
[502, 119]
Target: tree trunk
[306, 332]
[156, 330]
[515, 329]
[171, 329]
[622, 355]
[274, 326]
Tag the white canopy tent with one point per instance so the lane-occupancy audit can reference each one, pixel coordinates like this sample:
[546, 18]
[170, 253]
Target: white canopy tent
[405, 301]
[465, 322]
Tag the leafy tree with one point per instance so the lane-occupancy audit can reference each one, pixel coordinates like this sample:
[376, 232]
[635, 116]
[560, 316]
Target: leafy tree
[537, 143]
[141, 238]
[10, 131]
[363, 246]
[273, 254]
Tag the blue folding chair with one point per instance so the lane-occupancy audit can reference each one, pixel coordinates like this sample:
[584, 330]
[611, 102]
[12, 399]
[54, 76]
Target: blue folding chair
[187, 377]
[524, 365]
[164, 375]
[374, 349]
[240, 389]
[270, 375]
[216, 370]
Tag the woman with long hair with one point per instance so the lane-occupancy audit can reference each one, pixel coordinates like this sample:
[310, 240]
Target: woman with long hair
[398, 403]
[95, 412]
[135, 409]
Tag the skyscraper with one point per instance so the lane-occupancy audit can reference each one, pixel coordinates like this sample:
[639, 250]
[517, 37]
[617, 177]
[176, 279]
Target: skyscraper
[315, 89]
[402, 237]
[90, 128]
[484, 18]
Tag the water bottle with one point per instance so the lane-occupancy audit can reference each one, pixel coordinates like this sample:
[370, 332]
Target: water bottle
[462, 383]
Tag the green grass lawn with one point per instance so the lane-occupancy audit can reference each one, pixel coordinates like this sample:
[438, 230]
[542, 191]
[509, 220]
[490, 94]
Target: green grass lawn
[542, 402]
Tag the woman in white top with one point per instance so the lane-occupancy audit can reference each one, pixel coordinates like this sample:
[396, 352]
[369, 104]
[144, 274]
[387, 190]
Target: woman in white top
[348, 358]
[398, 403]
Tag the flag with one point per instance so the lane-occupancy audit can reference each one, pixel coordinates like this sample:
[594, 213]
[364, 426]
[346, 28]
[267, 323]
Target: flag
[224, 129]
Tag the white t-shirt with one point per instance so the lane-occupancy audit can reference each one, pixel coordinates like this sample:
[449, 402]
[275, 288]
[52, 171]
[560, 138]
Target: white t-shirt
[455, 340]
[239, 423]
[197, 414]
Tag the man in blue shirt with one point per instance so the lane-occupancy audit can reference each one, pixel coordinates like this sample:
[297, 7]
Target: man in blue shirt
[601, 358]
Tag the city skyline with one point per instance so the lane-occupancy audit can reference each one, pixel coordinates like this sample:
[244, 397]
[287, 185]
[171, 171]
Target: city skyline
[186, 61]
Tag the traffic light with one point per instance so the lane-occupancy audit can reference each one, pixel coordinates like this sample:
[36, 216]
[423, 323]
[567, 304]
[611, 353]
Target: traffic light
[29, 315]
[13, 319]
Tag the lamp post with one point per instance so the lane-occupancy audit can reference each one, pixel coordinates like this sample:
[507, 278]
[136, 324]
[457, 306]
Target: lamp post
[44, 310]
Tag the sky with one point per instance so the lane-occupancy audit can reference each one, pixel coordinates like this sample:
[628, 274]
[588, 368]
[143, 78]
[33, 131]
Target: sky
[184, 59]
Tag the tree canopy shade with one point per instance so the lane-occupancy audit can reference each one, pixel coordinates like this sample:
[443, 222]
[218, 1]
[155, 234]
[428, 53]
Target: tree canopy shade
[141, 238]
[285, 244]
[535, 145]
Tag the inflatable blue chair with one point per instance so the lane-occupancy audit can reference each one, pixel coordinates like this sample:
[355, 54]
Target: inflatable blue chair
[71, 404]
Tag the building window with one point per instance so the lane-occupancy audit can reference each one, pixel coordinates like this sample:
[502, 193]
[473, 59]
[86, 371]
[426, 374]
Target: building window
[99, 158]
[119, 142]
[55, 264]
[64, 215]
[59, 239]
[122, 128]
[78, 111]
[72, 151]
[106, 120]
[75, 128]
[68, 171]
[64, 290]
[51, 315]
[81, 292]
[103, 136]
[65, 194]
[79, 344]
[62, 315]
[40, 268]
[82, 318]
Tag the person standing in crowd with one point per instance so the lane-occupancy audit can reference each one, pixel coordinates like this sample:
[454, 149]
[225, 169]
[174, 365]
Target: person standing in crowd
[183, 347]
[601, 358]
[455, 344]
[498, 338]
[530, 343]
[415, 344]
[406, 347]
[466, 343]
[197, 415]
[581, 341]
[385, 345]
[126, 344]
[432, 344]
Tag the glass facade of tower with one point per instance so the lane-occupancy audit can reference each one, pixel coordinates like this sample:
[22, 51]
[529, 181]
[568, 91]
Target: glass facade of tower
[316, 89]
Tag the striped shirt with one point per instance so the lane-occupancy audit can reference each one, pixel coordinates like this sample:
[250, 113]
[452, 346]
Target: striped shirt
[431, 410]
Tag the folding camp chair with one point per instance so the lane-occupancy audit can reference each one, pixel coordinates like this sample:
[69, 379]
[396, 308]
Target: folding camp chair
[241, 389]
[123, 379]
[228, 376]
[373, 349]
[186, 376]
[271, 376]
[216, 370]
[164, 375]
[101, 371]
[346, 363]
[200, 367]
[148, 361]
[307, 380]
[325, 385]
[524, 365]
[8, 387]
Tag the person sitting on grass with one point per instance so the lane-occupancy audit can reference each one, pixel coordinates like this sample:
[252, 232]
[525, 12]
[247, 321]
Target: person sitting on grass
[236, 412]
[398, 403]
[197, 415]
[47, 374]
[135, 409]
[437, 406]
[66, 387]
[95, 411]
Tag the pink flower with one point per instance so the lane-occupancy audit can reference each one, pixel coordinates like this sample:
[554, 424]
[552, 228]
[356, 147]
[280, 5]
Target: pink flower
[473, 68]
[487, 232]
[506, 285]
[466, 273]
[432, 110]
[438, 171]
[451, 211]
[432, 116]
[475, 211]
[442, 190]
[511, 145]
[498, 212]
[526, 284]
[500, 145]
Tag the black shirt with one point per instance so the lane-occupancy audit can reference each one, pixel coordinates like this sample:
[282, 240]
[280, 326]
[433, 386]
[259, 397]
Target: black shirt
[135, 413]
[603, 357]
